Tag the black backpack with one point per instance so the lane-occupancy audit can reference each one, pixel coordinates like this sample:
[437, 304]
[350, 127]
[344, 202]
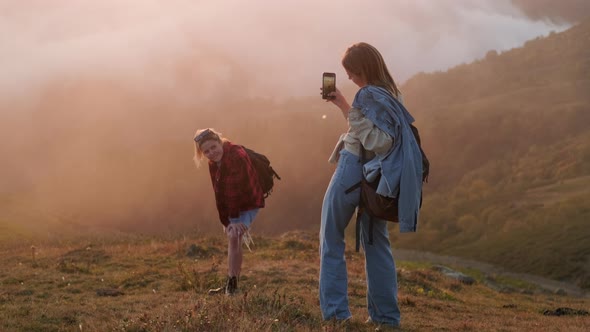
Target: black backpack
[425, 162]
[266, 173]
[377, 206]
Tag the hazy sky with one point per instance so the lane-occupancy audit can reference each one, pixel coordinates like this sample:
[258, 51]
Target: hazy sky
[281, 47]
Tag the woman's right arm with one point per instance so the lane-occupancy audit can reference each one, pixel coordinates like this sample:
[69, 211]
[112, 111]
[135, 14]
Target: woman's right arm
[339, 100]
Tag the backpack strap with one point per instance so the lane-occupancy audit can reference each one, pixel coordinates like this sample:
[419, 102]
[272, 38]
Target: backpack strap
[353, 188]
[361, 209]
[370, 218]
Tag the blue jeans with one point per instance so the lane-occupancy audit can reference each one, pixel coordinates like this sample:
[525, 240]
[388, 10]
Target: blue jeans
[246, 217]
[337, 210]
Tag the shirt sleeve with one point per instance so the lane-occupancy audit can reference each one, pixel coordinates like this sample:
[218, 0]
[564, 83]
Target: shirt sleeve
[370, 136]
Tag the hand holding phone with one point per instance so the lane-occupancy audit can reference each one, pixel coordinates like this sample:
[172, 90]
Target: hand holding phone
[328, 85]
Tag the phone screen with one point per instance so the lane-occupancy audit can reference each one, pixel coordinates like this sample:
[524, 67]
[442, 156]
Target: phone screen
[328, 84]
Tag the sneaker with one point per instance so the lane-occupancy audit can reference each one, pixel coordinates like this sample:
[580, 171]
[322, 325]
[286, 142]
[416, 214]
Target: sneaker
[382, 326]
[387, 328]
[340, 324]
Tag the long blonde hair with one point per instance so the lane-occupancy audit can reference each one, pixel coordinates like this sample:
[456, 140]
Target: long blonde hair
[365, 60]
[209, 134]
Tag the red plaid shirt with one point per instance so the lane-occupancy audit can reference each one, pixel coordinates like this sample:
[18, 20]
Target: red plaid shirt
[236, 183]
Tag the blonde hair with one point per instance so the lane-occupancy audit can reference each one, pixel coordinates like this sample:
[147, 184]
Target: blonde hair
[210, 135]
[365, 60]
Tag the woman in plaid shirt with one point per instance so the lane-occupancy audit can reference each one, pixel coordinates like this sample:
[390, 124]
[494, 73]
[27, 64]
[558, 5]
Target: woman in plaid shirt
[238, 195]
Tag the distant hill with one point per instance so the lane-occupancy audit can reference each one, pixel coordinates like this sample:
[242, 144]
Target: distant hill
[568, 10]
[533, 95]
[509, 141]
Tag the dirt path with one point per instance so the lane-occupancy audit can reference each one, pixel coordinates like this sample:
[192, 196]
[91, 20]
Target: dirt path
[489, 269]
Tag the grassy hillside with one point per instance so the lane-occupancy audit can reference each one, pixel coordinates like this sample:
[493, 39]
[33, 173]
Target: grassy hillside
[529, 214]
[150, 284]
[509, 142]
[505, 104]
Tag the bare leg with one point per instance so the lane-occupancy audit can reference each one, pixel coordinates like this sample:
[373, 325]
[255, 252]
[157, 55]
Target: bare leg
[234, 258]
[235, 252]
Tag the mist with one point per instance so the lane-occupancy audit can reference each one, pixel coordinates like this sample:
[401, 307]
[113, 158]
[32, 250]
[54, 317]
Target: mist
[280, 48]
[99, 100]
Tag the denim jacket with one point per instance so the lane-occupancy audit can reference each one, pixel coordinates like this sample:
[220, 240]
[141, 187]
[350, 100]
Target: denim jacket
[401, 166]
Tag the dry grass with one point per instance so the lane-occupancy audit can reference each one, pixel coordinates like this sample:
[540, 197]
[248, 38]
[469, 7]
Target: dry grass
[557, 192]
[159, 288]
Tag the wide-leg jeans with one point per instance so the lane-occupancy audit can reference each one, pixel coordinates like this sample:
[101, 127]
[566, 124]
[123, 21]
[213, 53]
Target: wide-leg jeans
[337, 210]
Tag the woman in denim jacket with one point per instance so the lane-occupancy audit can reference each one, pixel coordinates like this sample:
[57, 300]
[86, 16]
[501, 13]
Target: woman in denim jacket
[379, 122]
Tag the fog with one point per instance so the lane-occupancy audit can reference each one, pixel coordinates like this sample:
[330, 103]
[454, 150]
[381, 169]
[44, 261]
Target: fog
[99, 100]
[280, 46]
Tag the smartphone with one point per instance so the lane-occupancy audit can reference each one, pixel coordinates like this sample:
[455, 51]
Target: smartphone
[328, 84]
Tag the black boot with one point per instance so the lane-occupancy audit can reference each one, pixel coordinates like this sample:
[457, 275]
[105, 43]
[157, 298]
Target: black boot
[232, 285]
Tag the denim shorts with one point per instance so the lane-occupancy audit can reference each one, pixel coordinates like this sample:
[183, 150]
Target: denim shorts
[246, 217]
